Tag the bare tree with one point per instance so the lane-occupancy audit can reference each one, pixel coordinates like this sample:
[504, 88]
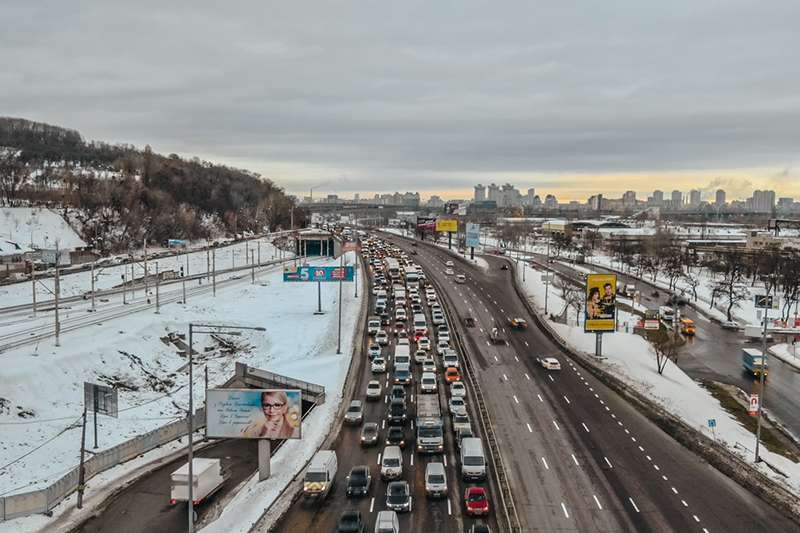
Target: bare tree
[666, 347]
[731, 268]
[693, 281]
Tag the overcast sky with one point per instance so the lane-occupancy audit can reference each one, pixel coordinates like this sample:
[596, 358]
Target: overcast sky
[568, 97]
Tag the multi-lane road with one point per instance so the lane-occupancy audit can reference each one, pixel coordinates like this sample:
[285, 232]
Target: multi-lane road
[578, 456]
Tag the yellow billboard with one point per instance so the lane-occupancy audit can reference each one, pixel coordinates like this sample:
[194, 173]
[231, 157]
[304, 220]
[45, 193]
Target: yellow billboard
[447, 225]
[601, 303]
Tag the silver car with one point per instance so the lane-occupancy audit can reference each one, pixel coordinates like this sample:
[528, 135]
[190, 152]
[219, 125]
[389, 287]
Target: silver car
[355, 413]
[435, 480]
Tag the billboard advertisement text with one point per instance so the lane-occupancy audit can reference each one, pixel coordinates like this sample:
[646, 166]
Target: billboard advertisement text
[447, 225]
[600, 313]
[473, 234]
[325, 273]
[426, 224]
[253, 414]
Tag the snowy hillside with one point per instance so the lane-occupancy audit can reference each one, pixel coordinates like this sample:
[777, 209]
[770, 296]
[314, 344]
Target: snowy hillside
[36, 227]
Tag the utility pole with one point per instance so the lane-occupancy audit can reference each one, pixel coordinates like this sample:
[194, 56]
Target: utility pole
[92, 272]
[158, 280]
[58, 290]
[258, 244]
[339, 339]
[761, 381]
[214, 272]
[145, 268]
[33, 286]
[81, 469]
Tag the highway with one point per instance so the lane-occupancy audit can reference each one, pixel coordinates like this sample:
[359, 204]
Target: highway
[440, 515]
[715, 354]
[581, 458]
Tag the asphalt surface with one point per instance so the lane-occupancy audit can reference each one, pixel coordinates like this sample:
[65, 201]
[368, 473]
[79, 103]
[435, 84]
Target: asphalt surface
[581, 458]
[443, 514]
[715, 353]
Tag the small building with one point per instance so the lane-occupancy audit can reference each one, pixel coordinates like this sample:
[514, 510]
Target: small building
[317, 243]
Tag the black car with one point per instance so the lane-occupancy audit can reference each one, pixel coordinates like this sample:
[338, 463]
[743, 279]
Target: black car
[504, 267]
[351, 521]
[358, 481]
[369, 434]
[396, 436]
[398, 496]
[397, 412]
[398, 391]
[385, 320]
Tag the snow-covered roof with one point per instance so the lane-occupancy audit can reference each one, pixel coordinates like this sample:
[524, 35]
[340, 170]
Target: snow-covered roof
[12, 248]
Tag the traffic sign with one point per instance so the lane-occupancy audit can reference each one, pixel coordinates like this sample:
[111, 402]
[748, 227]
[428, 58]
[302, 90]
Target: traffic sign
[321, 273]
[753, 410]
[765, 301]
[712, 423]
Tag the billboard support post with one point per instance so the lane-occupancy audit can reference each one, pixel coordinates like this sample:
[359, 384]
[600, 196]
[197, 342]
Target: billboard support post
[598, 347]
[319, 298]
[471, 253]
[546, 291]
[264, 456]
[449, 240]
[95, 406]
[339, 338]
[81, 470]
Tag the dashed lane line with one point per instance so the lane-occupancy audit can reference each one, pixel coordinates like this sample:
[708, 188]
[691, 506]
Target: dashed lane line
[529, 427]
[608, 462]
[564, 508]
[546, 466]
[556, 425]
[634, 504]
[597, 502]
[575, 460]
[584, 427]
[515, 399]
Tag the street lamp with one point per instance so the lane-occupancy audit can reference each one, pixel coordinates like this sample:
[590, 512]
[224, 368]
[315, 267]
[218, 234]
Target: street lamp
[210, 329]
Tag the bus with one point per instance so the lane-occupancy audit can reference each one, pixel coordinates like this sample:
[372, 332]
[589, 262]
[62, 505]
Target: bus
[392, 267]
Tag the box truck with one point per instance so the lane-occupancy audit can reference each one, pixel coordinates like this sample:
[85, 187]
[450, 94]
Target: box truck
[207, 478]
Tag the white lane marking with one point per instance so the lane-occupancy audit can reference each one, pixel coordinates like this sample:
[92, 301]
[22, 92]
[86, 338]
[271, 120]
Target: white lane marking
[449, 508]
[496, 360]
[575, 460]
[385, 400]
[567, 399]
[412, 398]
[505, 377]
[551, 378]
[379, 457]
[620, 423]
[540, 397]
[601, 401]
[634, 504]
[488, 343]
[481, 329]
[564, 508]
[596, 395]
[371, 504]
[591, 389]
[545, 463]
[529, 427]
[412, 459]
[695, 518]
[607, 408]
[516, 359]
[526, 343]
[704, 529]
[674, 490]
[648, 458]
[684, 503]
[556, 425]
[641, 449]
[383, 424]
[527, 376]
[595, 501]
[584, 427]
[515, 398]
[665, 478]
[613, 415]
[486, 309]
[608, 462]
[633, 439]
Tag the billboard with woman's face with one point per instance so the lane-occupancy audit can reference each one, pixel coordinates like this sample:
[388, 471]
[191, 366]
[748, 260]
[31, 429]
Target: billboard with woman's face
[601, 303]
[253, 413]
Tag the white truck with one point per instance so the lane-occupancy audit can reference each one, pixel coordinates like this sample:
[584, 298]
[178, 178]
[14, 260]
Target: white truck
[430, 433]
[208, 478]
[320, 475]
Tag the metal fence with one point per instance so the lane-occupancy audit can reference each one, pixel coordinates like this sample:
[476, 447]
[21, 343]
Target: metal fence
[43, 500]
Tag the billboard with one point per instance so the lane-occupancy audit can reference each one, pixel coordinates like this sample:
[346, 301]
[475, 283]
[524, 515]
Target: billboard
[320, 273]
[100, 398]
[253, 414]
[447, 225]
[473, 234]
[600, 313]
[426, 224]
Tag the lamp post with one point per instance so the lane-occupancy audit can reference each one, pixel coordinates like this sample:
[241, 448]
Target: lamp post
[210, 329]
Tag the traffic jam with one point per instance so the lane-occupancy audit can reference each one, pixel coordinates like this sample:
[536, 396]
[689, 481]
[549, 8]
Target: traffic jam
[415, 371]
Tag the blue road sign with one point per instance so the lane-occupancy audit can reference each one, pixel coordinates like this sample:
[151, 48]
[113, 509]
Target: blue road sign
[712, 422]
[473, 235]
[321, 273]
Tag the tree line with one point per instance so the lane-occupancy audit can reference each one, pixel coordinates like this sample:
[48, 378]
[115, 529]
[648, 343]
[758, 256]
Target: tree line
[119, 195]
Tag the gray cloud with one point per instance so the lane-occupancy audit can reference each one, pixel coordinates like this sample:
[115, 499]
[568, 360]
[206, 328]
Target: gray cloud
[416, 95]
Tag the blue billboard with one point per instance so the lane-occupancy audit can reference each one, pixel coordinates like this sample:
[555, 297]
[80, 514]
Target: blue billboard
[473, 235]
[321, 273]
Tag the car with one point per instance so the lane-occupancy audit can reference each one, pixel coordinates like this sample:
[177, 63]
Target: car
[437, 318]
[449, 359]
[355, 413]
[429, 365]
[374, 351]
[378, 365]
[730, 324]
[458, 390]
[441, 346]
[374, 390]
[449, 263]
[449, 271]
[452, 374]
[398, 496]
[420, 356]
[370, 433]
[351, 521]
[443, 334]
[385, 319]
[423, 343]
[358, 481]
[461, 278]
[435, 480]
[479, 528]
[402, 340]
[416, 308]
[403, 375]
[476, 501]
[398, 391]
[428, 383]
[457, 405]
[504, 267]
[460, 423]
[551, 363]
[400, 315]
[518, 323]
[382, 338]
[469, 322]
[465, 431]
[400, 327]
[396, 436]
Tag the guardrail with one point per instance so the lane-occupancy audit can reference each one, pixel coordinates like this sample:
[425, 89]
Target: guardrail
[506, 496]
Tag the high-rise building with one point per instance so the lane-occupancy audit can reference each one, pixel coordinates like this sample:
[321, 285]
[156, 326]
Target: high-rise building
[529, 198]
[694, 198]
[658, 197]
[677, 199]
[435, 202]
[550, 201]
[356, 198]
[719, 198]
[480, 193]
[493, 193]
[762, 201]
[629, 199]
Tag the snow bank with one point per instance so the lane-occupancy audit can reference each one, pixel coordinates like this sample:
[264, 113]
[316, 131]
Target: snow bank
[788, 353]
[37, 227]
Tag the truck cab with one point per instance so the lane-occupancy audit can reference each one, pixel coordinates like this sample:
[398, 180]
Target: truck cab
[687, 326]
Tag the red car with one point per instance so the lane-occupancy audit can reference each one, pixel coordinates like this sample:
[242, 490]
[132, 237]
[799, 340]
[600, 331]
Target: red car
[477, 501]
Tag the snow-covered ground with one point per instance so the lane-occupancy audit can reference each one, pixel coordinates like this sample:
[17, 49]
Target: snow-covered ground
[477, 261]
[787, 352]
[48, 382]
[37, 227]
[631, 358]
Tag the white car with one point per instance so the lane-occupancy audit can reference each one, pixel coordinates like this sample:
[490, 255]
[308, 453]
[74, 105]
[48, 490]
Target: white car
[378, 365]
[441, 346]
[457, 406]
[428, 382]
[403, 341]
[382, 338]
[449, 263]
[420, 356]
[400, 315]
[551, 363]
[450, 359]
[449, 271]
[373, 389]
[437, 318]
[443, 334]
[424, 343]
[429, 365]
[374, 350]
[461, 278]
[458, 390]
[435, 307]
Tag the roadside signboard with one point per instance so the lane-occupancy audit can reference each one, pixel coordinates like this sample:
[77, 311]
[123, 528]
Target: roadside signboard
[426, 224]
[600, 313]
[712, 422]
[753, 409]
[253, 414]
[447, 225]
[321, 273]
[473, 234]
[100, 398]
[765, 301]
[651, 324]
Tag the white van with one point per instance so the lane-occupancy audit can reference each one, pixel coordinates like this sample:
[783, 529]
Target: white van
[420, 324]
[402, 355]
[392, 462]
[473, 461]
[387, 522]
[320, 475]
